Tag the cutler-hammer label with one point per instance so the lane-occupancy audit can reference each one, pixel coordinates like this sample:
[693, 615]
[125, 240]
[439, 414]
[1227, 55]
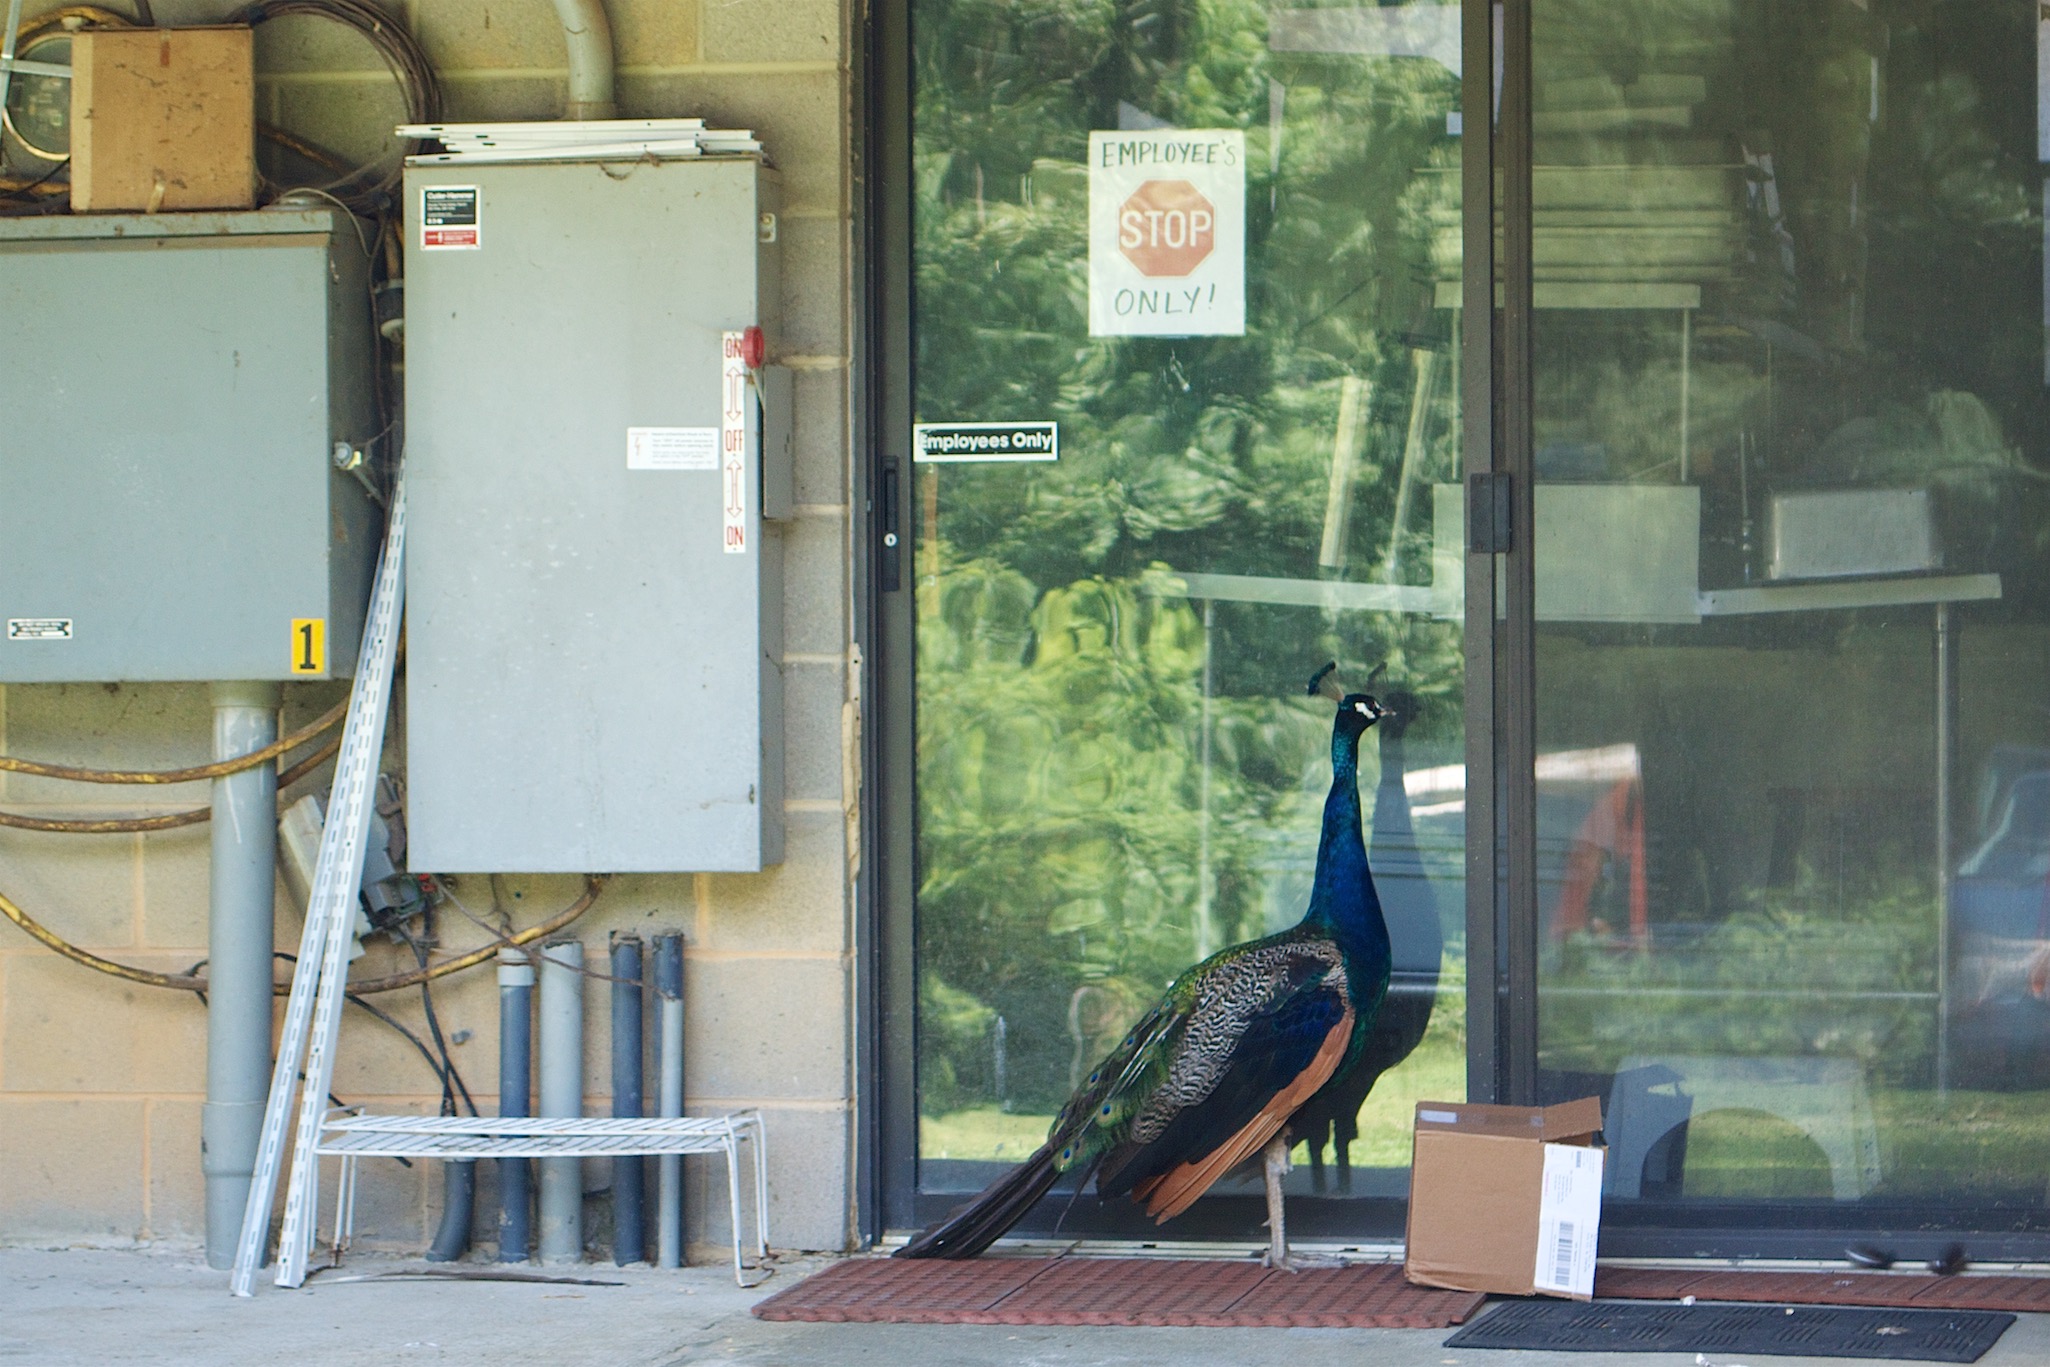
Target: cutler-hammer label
[939, 442]
[39, 628]
[1569, 1217]
[451, 218]
[733, 439]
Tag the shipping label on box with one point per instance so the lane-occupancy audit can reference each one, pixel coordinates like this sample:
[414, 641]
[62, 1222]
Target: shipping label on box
[1569, 1217]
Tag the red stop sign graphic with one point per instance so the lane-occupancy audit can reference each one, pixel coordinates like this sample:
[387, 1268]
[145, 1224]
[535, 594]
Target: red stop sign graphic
[1167, 227]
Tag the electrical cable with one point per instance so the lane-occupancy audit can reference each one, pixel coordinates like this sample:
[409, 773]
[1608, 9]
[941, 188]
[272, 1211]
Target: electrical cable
[368, 188]
[312, 151]
[594, 883]
[448, 1099]
[393, 1021]
[220, 769]
[170, 820]
[14, 187]
[372, 1008]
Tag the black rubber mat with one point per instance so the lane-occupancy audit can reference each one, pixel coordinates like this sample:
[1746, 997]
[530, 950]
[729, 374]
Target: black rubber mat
[1782, 1330]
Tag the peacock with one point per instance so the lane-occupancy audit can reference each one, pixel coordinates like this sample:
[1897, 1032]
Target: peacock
[1239, 1046]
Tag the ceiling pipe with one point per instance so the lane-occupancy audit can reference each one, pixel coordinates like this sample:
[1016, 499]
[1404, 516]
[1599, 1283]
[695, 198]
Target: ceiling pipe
[589, 35]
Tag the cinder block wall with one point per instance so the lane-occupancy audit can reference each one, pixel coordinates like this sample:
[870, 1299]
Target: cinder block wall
[101, 1081]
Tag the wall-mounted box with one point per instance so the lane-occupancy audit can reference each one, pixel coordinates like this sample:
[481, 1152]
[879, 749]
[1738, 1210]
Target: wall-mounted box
[162, 119]
[174, 385]
[593, 679]
[1833, 533]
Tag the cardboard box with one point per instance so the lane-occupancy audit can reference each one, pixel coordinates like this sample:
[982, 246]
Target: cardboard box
[1506, 1198]
[163, 119]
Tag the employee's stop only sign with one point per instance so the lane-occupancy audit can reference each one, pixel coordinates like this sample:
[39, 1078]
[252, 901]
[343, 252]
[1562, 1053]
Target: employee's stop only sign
[1167, 232]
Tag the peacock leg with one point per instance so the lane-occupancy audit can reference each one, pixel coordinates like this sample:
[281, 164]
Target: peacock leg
[1276, 1165]
[1277, 1256]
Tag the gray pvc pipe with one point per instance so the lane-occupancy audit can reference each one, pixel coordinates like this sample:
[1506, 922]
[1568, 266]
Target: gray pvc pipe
[629, 1184]
[515, 1097]
[458, 1208]
[669, 1027]
[239, 944]
[562, 1094]
[588, 34]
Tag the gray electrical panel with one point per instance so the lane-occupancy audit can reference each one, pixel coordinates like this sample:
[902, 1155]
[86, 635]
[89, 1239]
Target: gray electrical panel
[594, 578]
[174, 386]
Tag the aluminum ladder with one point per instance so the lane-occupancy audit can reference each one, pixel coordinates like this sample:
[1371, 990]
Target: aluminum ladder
[313, 1013]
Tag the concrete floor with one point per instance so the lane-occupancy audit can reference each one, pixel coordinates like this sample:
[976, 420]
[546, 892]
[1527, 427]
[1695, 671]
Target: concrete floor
[71, 1307]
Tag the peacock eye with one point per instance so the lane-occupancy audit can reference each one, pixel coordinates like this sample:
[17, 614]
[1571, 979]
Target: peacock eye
[1105, 1111]
[1094, 1076]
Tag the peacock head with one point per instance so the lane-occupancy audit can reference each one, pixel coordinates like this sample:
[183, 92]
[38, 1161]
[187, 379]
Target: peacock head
[1356, 711]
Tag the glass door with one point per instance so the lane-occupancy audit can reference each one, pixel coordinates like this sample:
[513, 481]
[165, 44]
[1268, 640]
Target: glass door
[1792, 768]
[1184, 425]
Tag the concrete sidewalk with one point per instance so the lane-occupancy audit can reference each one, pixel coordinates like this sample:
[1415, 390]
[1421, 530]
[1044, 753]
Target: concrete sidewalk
[73, 1307]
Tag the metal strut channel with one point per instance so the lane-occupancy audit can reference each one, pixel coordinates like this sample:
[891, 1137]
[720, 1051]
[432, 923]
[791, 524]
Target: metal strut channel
[314, 1010]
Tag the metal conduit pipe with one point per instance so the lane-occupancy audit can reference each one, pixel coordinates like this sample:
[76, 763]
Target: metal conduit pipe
[629, 1204]
[239, 945]
[669, 998]
[562, 1094]
[515, 1097]
[588, 34]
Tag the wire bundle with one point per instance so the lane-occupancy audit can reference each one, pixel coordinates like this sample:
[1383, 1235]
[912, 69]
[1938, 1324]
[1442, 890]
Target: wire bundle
[368, 187]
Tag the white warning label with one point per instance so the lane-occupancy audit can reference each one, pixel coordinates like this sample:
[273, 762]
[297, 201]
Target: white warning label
[39, 628]
[672, 448]
[733, 438]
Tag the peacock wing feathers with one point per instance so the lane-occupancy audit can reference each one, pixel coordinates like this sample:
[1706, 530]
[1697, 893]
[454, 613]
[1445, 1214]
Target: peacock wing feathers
[1264, 1026]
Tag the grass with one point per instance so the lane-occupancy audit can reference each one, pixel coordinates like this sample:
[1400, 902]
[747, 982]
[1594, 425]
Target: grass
[1966, 1145]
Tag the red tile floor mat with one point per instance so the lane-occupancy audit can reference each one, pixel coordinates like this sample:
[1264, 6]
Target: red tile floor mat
[1894, 1290]
[1209, 1293]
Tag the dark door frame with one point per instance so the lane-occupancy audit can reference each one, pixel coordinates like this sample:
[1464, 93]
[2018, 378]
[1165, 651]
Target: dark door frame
[1497, 366]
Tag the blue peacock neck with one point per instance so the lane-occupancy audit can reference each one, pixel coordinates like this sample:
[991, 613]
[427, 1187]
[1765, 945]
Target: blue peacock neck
[1342, 899]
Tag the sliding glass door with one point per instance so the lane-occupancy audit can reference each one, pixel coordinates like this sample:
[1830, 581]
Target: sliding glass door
[1792, 743]
[1185, 406]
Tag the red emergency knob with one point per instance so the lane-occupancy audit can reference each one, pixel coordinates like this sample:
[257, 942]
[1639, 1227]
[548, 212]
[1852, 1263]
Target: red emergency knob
[754, 348]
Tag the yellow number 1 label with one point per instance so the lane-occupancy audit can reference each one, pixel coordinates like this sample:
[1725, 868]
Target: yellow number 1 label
[309, 645]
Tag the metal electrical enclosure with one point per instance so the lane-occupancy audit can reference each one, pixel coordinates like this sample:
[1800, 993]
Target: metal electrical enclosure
[174, 385]
[593, 680]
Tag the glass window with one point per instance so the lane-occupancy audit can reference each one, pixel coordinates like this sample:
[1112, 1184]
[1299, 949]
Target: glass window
[1794, 754]
[1117, 770]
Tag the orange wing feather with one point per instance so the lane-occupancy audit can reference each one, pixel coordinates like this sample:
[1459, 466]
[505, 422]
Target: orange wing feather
[1175, 1190]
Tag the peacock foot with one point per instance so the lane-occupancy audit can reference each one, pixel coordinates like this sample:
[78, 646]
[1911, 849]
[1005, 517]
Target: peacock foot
[1291, 1261]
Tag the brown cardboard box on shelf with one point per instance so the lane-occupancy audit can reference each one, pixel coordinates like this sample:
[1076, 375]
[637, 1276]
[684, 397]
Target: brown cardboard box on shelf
[162, 119]
[1506, 1198]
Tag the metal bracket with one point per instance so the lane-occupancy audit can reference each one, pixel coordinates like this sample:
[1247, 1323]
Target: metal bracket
[1488, 514]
